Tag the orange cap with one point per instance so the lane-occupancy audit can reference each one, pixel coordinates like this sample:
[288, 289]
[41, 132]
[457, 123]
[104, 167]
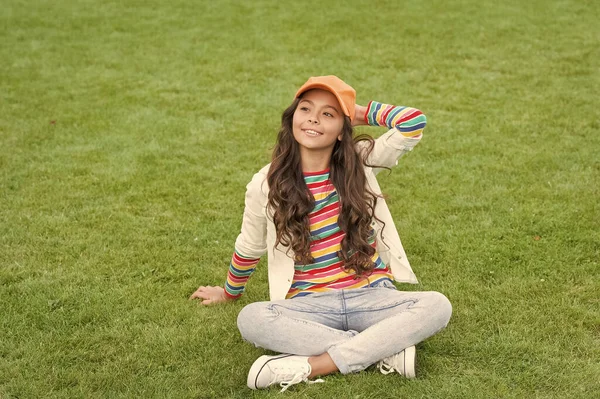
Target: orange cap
[345, 94]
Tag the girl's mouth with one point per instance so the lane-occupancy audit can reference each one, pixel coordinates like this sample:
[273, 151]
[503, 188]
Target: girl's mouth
[312, 133]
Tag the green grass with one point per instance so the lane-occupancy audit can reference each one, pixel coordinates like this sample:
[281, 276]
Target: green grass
[128, 131]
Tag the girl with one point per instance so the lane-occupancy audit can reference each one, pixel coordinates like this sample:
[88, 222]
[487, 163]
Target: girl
[333, 250]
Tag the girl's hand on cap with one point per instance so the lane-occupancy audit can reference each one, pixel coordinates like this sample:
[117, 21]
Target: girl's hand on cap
[359, 115]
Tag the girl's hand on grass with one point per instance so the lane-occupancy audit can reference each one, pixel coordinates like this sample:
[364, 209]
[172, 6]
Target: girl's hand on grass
[210, 295]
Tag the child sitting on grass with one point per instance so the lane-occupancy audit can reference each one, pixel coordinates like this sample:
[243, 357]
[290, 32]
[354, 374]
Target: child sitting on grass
[333, 249]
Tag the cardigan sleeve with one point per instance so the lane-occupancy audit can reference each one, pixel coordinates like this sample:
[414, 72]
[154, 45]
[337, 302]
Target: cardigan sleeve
[250, 244]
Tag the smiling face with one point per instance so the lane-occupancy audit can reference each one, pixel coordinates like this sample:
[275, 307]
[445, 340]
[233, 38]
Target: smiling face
[317, 123]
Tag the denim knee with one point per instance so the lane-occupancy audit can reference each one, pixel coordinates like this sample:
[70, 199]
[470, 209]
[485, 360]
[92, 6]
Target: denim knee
[251, 319]
[442, 307]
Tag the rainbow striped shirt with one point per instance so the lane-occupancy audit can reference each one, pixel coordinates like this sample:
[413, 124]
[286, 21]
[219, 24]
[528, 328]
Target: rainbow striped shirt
[327, 272]
[410, 122]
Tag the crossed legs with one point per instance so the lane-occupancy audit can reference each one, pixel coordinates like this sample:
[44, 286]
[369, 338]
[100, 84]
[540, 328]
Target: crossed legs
[345, 330]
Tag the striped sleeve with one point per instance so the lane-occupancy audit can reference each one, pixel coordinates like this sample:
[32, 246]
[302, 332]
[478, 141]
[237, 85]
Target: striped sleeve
[240, 270]
[410, 122]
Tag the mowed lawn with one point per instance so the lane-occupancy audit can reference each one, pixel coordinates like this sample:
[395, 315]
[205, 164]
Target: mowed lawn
[128, 131]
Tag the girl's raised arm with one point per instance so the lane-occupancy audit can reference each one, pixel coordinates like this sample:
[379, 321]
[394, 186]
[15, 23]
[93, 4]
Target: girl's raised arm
[405, 124]
[409, 121]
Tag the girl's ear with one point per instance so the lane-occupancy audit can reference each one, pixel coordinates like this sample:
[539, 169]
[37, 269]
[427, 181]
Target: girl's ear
[340, 137]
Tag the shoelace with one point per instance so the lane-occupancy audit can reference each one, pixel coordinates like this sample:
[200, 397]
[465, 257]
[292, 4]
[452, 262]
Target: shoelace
[296, 379]
[384, 368]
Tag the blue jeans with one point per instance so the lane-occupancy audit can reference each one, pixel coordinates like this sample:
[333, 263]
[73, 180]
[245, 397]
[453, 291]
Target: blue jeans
[356, 327]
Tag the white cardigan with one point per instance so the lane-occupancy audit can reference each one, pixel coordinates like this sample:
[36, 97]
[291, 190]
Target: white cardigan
[257, 235]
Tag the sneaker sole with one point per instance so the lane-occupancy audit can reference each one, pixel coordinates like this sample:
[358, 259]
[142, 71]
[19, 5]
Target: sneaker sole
[410, 355]
[257, 367]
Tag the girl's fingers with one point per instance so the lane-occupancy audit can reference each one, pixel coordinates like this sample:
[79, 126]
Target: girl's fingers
[207, 294]
[199, 293]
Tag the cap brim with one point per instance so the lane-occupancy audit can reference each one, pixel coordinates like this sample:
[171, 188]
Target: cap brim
[330, 89]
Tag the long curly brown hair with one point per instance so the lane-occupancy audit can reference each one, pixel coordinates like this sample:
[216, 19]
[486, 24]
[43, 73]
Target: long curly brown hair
[290, 201]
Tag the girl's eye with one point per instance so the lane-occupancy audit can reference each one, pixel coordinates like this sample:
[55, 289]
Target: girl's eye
[303, 108]
[328, 114]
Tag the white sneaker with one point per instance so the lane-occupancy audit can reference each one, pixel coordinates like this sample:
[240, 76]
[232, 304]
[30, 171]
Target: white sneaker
[402, 363]
[285, 370]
